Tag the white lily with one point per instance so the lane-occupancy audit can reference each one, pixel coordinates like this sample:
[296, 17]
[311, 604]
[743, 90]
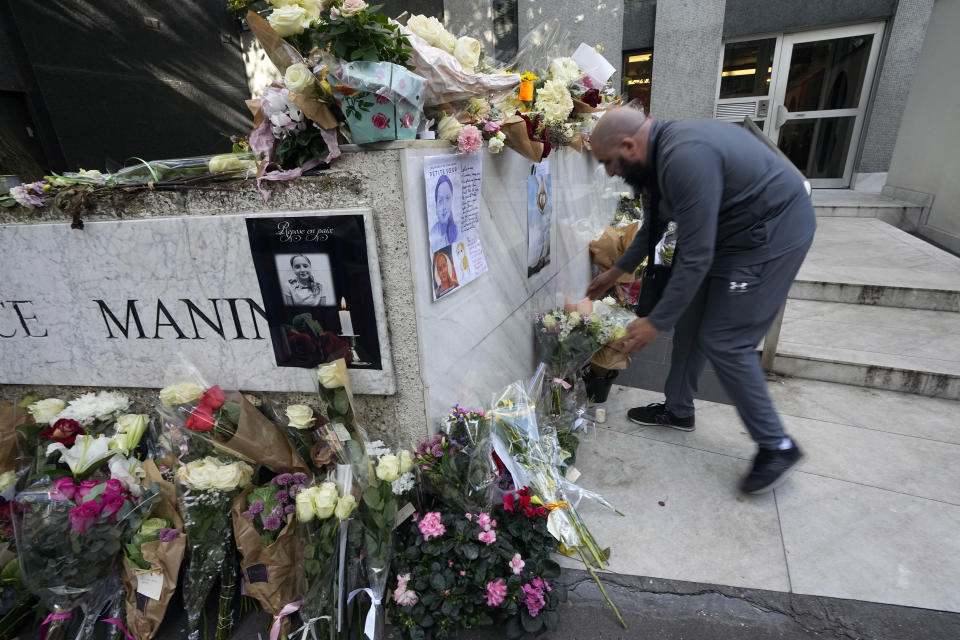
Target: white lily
[85, 454]
[128, 471]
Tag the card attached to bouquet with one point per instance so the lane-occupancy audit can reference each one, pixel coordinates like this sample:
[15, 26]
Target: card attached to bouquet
[150, 584]
[403, 513]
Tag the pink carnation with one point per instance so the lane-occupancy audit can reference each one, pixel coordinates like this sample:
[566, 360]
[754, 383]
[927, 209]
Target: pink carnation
[431, 526]
[470, 139]
[517, 564]
[496, 592]
[488, 536]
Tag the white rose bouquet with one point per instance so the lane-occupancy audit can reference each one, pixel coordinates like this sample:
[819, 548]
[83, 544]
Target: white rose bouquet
[205, 492]
[393, 476]
[321, 511]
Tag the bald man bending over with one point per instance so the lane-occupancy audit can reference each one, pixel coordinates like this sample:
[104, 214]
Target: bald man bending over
[744, 224]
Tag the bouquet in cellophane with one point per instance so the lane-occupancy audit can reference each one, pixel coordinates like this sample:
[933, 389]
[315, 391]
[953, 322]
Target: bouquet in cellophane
[321, 510]
[531, 453]
[71, 530]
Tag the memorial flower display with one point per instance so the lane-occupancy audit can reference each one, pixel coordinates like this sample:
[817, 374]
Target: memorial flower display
[265, 529]
[322, 512]
[470, 559]
[71, 525]
[206, 489]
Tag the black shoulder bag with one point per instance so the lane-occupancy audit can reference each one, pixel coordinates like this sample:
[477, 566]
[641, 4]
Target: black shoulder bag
[654, 278]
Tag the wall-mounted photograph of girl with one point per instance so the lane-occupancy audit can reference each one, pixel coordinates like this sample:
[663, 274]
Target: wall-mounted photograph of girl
[444, 273]
[304, 284]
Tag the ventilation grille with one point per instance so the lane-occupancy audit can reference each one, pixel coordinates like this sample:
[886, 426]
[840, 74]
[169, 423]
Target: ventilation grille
[736, 110]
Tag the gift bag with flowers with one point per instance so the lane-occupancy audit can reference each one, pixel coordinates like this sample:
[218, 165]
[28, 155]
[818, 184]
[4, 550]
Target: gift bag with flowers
[380, 100]
[152, 559]
[266, 533]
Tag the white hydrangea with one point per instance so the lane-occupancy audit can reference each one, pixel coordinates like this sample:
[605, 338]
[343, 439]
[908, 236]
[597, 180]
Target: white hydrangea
[554, 101]
[377, 449]
[565, 70]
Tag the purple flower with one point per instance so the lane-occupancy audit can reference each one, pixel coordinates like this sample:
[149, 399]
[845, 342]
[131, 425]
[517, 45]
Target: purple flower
[299, 478]
[290, 509]
[282, 496]
[293, 491]
[271, 523]
[166, 535]
[256, 507]
[283, 479]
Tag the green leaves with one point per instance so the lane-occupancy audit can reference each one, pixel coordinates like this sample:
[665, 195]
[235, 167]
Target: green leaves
[341, 401]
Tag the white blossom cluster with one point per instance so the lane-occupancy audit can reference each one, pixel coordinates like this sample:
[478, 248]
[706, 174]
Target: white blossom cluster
[90, 407]
[377, 450]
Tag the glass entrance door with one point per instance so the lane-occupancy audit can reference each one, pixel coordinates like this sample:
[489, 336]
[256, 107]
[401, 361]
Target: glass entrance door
[819, 98]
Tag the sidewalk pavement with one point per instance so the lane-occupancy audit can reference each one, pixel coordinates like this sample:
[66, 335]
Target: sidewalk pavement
[871, 514]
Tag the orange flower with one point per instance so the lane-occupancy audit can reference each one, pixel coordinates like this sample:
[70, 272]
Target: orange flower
[344, 90]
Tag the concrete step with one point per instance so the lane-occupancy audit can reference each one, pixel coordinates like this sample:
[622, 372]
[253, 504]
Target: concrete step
[909, 350]
[867, 261]
[845, 203]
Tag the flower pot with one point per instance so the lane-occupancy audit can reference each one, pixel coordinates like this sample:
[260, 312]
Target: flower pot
[598, 387]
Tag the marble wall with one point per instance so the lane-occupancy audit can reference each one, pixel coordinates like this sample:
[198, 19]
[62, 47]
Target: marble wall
[479, 339]
[460, 349]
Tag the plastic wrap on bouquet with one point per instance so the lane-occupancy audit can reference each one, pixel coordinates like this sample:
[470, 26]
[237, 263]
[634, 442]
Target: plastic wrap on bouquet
[69, 537]
[446, 79]
[204, 420]
[380, 100]
[345, 435]
[227, 166]
[205, 492]
[320, 543]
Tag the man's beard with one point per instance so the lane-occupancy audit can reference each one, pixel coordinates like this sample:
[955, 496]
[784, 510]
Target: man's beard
[635, 174]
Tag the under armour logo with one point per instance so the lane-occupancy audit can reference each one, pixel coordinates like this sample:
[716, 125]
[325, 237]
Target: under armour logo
[738, 286]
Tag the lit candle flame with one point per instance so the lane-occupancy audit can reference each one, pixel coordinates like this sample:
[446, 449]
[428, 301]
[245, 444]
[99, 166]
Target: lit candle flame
[343, 303]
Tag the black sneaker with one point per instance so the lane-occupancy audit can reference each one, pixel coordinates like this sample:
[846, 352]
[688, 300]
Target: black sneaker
[770, 469]
[657, 415]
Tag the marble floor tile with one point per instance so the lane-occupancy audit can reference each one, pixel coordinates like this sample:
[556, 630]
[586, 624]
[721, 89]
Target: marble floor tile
[888, 411]
[845, 540]
[684, 517]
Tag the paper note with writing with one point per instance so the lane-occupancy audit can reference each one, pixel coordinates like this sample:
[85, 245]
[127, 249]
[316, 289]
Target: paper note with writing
[453, 220]
[150, 584]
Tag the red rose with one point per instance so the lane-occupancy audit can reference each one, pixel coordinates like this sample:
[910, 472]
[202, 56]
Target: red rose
[201, 419]
[64, 431]
[110, 504]
[380, 121]
[214, 397]
[591, 97]
[302, 346]
[333, 347]
[382, 99]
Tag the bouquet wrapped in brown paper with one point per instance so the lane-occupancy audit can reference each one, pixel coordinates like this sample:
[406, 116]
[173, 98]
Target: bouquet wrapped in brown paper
[11, 416]
[152, 561]
[612, 243]
[212, 421]
[515, 128]
[266, 533]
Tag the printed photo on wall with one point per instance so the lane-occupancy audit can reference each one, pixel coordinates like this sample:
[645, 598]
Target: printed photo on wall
[314, 277]
[539, 217]
[453, 217]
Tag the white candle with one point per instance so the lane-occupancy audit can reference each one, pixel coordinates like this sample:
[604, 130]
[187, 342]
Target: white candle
[346, 323]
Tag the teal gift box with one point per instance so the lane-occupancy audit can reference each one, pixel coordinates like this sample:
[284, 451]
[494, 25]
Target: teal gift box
[381, 100]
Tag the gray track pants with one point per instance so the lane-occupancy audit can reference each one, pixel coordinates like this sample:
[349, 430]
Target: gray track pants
[724, 323]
